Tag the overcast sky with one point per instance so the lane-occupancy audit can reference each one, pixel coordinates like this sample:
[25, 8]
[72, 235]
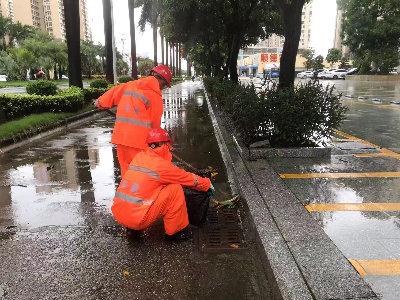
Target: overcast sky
[322, 27]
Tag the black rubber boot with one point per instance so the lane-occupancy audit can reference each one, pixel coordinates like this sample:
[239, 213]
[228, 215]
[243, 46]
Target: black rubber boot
[133, 234]
[180, 236]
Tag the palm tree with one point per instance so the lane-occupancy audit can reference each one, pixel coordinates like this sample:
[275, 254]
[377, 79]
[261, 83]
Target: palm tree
[4, 29]
[131, 5]
[108, 39]
[72, 28]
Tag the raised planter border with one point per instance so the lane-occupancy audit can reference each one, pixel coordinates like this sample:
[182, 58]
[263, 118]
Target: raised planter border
[300, 263]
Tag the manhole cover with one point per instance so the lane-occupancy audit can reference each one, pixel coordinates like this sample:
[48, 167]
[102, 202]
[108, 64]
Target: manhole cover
[222, 232]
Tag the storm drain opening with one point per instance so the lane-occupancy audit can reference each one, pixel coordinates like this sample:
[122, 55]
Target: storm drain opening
[222, 232]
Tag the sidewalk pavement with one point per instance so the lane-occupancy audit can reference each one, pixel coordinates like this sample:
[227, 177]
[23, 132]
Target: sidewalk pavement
[59, 240]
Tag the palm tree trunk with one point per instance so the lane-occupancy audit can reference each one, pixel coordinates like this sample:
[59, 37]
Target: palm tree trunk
[174, 60]
[72, 28]
[162, 49]
[108, 40]
[166, 52]
[180, 61]
[131, 4]
[155, 41]
[55, 72]
[177, 60]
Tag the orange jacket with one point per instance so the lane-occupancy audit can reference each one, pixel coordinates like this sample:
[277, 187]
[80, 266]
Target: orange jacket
[148, 173]
[140, 107]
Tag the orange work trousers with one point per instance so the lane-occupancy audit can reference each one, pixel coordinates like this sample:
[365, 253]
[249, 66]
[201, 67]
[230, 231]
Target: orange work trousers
[171, 205]
[125, 155]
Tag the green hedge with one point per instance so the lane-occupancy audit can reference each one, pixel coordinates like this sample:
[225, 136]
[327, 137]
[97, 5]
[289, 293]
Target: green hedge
[125, 79]
[93, 93]
[99, 84]
[42, 88]
[17, 106]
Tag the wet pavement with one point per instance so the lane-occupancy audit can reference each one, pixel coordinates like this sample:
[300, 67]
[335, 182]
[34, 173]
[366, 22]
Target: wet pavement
[365, 149]
[58, 238]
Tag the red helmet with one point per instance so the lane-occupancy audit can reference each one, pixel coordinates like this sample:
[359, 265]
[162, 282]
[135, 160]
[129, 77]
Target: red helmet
[158, 135]
[165, 72]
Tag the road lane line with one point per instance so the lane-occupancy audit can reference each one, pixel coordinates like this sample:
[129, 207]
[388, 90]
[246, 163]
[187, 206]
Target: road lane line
[377, 155]
[358, 267]
[340, 175]
[353, 207]
[355, 138]
[382, 106]
[376, 267]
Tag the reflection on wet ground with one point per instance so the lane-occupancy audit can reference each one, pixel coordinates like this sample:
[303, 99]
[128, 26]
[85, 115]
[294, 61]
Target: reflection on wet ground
[360, 235]
[58, 235]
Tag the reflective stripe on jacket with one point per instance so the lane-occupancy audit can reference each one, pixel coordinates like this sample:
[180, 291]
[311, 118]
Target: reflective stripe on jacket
[147, 175]
[140, 107]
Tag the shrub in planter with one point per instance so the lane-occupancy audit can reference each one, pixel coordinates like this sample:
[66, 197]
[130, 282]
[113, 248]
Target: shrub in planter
[303, 115]
[99, 84]
[125, 79]
[42, 88]
[16, 106]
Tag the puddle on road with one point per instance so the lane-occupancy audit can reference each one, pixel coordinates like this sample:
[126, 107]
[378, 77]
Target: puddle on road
[71, 179]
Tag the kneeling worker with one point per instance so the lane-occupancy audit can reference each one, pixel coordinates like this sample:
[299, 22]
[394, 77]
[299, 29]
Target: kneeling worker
[152, 188]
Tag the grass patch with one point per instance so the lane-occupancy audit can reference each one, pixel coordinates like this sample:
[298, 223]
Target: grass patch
[35, 123]
[19, 83]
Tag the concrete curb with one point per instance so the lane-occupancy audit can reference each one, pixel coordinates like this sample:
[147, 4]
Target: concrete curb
[69, 123]
[300, 260]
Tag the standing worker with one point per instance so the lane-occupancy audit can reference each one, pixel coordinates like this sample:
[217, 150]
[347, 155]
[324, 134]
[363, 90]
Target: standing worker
[152, 188]
[140, 107]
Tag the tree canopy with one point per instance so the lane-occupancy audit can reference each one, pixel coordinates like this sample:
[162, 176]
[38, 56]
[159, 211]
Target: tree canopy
[371, 29]
[333, 56]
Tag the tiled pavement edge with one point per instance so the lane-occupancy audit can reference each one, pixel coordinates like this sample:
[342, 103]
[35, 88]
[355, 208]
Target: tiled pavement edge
[300, 260]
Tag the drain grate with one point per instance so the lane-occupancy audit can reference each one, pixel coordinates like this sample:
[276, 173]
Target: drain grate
[222, 232]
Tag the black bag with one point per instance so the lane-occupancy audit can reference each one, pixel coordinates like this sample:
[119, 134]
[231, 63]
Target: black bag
[197, 204]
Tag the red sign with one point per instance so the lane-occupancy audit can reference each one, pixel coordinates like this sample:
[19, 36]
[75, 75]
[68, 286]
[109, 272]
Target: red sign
[273, 57]
[264, 57]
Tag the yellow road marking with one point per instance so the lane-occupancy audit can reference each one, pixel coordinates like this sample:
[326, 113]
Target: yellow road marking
[358, 267]
[377, 155]
[383, 106]
[342, 140]
[376, 267]
[353, 207]
[385, 152]
[355, 138]
[340, 175]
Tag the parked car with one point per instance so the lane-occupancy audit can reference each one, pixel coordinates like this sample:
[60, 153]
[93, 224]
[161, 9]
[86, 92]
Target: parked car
[336, 74]
[316, 72]
[321, 75]
[352, 71]
[64, 77]
[393, 71]
[3, 77]
[306, 74]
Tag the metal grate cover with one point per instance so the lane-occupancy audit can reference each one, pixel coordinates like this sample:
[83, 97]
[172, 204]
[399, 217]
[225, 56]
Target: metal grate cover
[222, 232]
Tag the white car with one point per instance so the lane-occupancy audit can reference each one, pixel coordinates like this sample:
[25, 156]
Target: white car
[336, 74]
[64, 77]
[3, 77]
[322, 74]
[306, 74]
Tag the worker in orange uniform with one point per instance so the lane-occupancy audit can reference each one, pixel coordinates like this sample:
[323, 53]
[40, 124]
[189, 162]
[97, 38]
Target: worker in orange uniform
[140, 107]
[152, 188]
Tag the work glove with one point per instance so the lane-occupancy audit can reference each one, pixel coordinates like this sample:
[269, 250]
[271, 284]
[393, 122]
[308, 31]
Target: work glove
[211, 191]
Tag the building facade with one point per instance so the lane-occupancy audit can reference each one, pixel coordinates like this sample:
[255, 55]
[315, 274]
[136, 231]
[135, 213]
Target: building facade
[338, 42]
[45, 14]
[274, 44]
